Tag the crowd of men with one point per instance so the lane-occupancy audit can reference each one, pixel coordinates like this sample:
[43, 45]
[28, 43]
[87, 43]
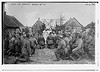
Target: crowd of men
[68, 45]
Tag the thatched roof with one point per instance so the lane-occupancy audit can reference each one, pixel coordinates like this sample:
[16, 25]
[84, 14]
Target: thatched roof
[11, 21]
[91, 25]
[38, 25]
[17, 22]
[73, 23]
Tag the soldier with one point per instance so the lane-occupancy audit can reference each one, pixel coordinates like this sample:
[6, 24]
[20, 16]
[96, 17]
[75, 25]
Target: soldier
[17, 44]
[87, 40]
[56, 38]
[66, 38]
[11, 50]
[33, 43]
[50, 41]
[89, 44]
[79, 47]
[91, 47]
[26, 50]
[6, 44]
[41, 42]
[60, 52]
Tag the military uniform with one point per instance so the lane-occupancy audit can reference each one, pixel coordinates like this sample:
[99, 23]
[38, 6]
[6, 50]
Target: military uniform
[26, 50]
[87, 40]
[11, 46]
[33, 43]
[67, 40]
[6, 45]
[41, 42]
[90, 48]
[56, 38]
[17, 46]
[60, 52]
[79, 44]
[78, 50]
[50, 41]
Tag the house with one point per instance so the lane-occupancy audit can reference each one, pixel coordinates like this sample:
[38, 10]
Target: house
[10, 23]
[38, 26]
[90, 25]
[90, 28]
[73, 24]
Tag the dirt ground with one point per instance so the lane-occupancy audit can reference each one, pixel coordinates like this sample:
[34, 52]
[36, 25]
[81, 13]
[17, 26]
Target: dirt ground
[47, 56]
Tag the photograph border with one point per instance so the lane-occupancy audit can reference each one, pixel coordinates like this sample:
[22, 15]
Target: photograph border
[94, 67]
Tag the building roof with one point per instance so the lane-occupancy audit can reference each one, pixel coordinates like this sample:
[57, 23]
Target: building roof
[90, 25]
[11, 21]
[17, 22]
[73, 23]
[37, 25]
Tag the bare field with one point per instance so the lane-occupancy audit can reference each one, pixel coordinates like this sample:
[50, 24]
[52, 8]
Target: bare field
[47, 56]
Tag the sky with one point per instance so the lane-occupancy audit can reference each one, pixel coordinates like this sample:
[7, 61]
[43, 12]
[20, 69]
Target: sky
[28, 13]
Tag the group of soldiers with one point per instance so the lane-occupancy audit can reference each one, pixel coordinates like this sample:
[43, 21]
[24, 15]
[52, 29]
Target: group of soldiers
[68, 45]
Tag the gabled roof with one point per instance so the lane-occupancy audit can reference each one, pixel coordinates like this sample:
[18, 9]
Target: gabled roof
[11, 21]
[91, 25]
[8, 22]
[73, 23]
[17, 22]
[37, 25]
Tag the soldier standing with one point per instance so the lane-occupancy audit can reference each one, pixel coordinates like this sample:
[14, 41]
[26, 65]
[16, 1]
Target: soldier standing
[33, 43]
[26, 50]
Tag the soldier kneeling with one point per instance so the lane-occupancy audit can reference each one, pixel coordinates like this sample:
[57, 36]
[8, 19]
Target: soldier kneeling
[50, 42]
[41, 42]
[78, 50]
[61, 50]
